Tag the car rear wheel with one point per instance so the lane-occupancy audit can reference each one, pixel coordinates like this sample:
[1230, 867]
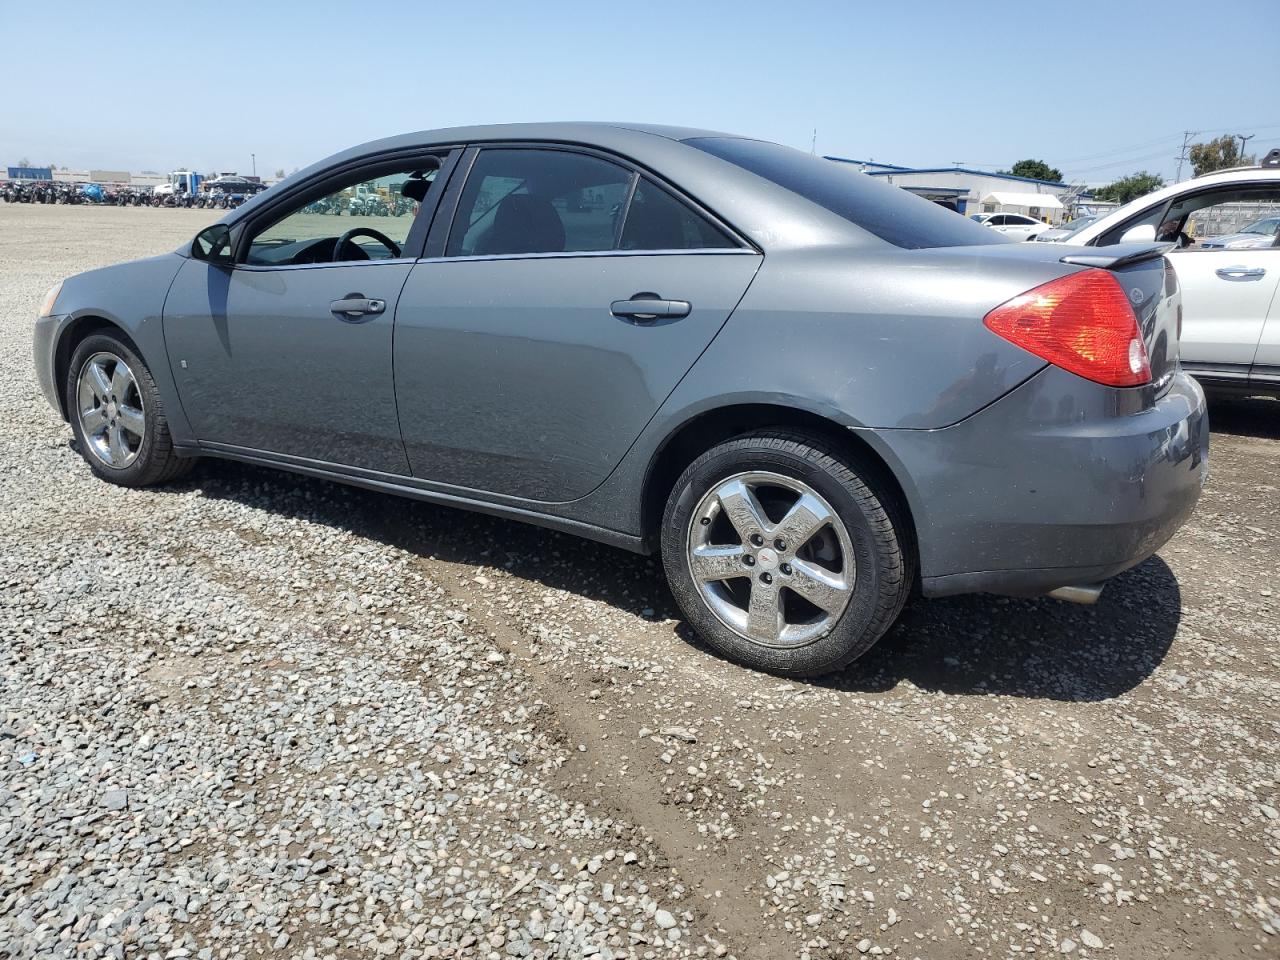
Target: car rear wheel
[782, 555]
[117, 417]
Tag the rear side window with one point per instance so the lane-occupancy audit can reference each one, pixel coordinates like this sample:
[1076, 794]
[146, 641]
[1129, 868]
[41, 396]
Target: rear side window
[539, 201]
[658, 221]
[890, 213]
[523, 201]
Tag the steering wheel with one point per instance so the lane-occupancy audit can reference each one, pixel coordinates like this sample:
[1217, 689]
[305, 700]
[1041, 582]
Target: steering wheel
[347, 237]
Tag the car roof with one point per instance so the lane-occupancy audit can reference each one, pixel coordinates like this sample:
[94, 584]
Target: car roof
[1194, 185]
[591, 132]
[767, 213]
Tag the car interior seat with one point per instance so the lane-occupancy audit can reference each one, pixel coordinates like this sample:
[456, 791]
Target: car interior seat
[523, 224]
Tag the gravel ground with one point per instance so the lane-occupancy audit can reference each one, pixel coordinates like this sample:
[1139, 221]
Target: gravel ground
[255, 713]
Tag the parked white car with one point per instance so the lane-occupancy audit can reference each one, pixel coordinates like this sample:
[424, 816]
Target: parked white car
[1013, 225]
[1231, 313]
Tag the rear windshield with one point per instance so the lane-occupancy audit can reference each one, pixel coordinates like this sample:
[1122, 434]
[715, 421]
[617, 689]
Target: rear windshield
[892, 214]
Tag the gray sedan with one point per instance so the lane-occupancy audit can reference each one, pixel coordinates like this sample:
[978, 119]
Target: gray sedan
[810, 392]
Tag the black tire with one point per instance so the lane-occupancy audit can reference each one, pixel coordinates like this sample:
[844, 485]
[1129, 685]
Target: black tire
[881, 546]
[155, 462]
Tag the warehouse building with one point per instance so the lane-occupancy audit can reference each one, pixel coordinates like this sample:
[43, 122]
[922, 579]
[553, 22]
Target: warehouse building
[970, 191]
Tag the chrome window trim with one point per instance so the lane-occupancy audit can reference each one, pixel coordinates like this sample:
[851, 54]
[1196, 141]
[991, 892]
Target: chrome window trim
[574, 254]
[269, 267]
[739, 237]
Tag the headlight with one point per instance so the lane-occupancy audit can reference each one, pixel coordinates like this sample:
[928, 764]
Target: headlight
[50, 298]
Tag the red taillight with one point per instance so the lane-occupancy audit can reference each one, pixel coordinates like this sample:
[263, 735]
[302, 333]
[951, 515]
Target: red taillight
[1082, 323]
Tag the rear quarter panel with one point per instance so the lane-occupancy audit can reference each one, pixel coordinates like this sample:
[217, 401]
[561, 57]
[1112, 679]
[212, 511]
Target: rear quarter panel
[879, 339]
[870, 339]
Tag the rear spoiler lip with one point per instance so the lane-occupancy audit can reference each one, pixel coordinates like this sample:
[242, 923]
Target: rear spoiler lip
[1118, 255]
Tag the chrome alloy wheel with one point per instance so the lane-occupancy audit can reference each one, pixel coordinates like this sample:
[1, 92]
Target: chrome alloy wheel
[112, 416]
[771, 559]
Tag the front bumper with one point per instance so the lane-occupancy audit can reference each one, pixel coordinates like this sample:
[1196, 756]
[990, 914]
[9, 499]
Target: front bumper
[44, 340]
[1060, 482]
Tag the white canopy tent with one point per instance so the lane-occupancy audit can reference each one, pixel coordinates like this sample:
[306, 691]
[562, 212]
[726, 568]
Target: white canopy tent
[1044, 201]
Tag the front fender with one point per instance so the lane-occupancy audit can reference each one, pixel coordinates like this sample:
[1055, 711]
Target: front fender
[129, 297]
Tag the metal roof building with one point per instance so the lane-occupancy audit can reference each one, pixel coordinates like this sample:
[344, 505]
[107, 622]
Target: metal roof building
[970, 191]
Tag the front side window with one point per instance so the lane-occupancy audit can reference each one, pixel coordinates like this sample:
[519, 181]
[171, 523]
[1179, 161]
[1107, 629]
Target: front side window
[1205, 220]
[528, 201]
[368, 218]
[1219, 220]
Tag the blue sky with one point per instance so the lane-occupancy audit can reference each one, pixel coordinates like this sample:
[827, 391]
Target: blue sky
[1098, 89]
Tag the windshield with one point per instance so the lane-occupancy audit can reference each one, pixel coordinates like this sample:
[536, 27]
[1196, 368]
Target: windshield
[888, 212]
[1075, 226]
[1265, 227]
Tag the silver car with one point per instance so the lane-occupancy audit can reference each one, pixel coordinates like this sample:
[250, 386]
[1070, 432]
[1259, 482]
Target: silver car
[809, 391]
[1258, 235]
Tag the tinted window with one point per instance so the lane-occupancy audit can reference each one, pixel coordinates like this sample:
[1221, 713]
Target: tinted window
[890, 213]
[999, 220]
[658, 221]
[539, 201]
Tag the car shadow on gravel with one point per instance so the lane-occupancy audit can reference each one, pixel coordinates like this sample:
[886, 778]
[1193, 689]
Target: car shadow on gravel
[975, 645]
[1256, 417]
[1039, 648]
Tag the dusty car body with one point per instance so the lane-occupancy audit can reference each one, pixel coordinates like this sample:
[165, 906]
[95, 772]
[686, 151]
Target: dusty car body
[808, 390]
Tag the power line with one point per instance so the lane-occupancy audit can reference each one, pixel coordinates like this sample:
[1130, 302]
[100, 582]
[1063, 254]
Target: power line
[1182, 154]
[1117, 150]
[1120, 163]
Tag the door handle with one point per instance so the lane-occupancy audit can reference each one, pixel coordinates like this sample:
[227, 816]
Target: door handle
[1240, 273]
[354, 305]
[644, 307]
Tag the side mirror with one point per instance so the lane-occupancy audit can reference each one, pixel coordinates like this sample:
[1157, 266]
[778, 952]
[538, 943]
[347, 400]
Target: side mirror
[1142, 233]
[213, 244]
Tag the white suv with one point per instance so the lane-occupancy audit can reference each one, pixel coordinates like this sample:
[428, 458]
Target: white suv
[1231, 327]
[1013, 225]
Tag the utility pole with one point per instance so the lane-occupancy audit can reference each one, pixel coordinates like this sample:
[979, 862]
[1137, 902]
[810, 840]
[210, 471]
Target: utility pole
[813, 146]
[253, 157]
[1243, 140]
[1182, 154]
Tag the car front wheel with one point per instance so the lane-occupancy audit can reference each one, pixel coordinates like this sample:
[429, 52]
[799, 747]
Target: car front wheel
[783, 556]
[117, 416]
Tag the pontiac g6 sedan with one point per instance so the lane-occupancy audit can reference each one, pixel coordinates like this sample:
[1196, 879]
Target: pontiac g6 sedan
[810, 391]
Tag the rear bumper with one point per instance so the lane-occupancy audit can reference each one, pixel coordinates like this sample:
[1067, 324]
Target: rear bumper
[1060, 482]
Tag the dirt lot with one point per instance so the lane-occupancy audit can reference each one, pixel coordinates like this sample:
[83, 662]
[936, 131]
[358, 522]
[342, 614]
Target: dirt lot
[253, 712]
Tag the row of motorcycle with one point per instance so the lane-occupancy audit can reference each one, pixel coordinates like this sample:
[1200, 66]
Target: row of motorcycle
[43, 191]
[210, 200]
[372, 206]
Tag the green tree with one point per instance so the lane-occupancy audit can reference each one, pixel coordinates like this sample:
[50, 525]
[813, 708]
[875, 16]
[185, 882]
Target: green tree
[1035, 170]
[1217, 154]
[1130, 187]
[24, 162]
[280, 174]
